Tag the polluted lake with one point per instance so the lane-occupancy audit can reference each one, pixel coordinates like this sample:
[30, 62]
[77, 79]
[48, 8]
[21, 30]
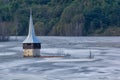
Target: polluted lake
[75, 65]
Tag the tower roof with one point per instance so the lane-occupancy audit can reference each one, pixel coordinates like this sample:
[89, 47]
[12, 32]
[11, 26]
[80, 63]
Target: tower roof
[31, 38]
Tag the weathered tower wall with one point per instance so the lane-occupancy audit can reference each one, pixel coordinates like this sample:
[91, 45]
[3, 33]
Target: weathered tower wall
[31, 49]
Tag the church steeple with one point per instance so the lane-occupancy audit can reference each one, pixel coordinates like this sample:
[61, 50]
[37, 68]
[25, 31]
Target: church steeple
[31, 44]
[31, 26]
[31, 38]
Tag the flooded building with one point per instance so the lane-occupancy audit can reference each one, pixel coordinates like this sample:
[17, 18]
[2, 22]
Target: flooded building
[31, 44]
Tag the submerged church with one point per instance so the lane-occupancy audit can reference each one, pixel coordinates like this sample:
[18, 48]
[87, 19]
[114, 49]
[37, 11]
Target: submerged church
[31, 44]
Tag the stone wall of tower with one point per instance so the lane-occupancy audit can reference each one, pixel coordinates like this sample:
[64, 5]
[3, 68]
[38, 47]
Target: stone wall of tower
[31, 52]
[28, 53]
[36, 52]
[31, 49]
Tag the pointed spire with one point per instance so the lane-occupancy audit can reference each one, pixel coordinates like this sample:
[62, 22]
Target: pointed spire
[31, 38]
[31, 26]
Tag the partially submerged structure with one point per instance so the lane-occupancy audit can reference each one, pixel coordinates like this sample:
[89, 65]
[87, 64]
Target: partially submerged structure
[31, 44]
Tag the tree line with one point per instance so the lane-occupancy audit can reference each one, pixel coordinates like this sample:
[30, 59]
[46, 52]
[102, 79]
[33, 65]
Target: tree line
[61, 17]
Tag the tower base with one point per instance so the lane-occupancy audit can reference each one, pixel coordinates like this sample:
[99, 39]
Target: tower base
[31, 53]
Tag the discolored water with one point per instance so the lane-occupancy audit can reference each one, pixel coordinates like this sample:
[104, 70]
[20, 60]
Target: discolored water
[77, 66]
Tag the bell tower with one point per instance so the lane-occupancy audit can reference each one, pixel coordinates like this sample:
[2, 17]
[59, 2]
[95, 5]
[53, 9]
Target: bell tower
[31, 45]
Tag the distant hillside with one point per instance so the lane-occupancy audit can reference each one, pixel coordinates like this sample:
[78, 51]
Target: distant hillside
[62, 17]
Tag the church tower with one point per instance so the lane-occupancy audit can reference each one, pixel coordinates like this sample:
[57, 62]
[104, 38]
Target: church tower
[31, 44]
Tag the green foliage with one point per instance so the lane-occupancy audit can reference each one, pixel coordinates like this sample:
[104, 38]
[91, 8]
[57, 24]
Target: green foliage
[62, 17]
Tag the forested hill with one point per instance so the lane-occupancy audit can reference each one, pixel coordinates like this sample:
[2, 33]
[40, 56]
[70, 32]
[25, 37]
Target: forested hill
[62, 17]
